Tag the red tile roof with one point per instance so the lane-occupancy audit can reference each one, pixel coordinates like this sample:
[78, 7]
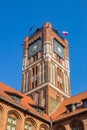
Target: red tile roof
[25, 101]
[61, 110]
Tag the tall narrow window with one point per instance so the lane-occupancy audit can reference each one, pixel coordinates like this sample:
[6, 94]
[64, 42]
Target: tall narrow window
[11, 123]
[41, 73]
[32, 79]
[52, 73]
[23, 87]
[43, 97]
[36, 76]
[65, 83]
[37, 98]
[45, 72]
[28, 80]
[25, 81]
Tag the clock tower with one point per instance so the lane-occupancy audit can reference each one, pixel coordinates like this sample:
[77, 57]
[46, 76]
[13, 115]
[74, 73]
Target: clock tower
[45, 71]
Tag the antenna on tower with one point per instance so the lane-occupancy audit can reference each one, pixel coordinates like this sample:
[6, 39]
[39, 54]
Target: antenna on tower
[30, 29]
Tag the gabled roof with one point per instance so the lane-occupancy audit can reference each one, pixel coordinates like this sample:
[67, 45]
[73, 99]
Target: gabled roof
[26, 103]
[61, 110]
[7, 90]
[6, 93]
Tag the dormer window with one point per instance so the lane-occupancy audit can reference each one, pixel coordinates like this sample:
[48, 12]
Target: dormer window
[72, 107]
[15, 96]
[85, 102]
[39, 109]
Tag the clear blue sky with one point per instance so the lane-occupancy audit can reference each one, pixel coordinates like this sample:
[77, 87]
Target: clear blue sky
[17, 16]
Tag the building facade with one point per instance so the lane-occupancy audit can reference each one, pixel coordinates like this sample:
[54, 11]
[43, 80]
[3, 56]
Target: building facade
[45, 102]
[19, 112]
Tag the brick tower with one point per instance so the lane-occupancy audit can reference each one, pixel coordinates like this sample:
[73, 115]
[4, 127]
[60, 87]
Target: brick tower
[45, 72]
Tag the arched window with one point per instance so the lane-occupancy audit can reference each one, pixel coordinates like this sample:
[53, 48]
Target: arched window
[13, 121]
[30, 124]
[77, 125]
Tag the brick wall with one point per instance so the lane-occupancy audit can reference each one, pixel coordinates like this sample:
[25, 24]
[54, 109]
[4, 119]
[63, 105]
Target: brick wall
[21, 116]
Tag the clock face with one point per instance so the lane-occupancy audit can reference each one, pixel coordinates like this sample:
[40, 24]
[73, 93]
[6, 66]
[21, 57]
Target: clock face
[58, 49]
[35, 47]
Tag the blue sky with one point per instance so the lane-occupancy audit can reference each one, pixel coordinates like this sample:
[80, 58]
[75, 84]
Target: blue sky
[17, 16]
